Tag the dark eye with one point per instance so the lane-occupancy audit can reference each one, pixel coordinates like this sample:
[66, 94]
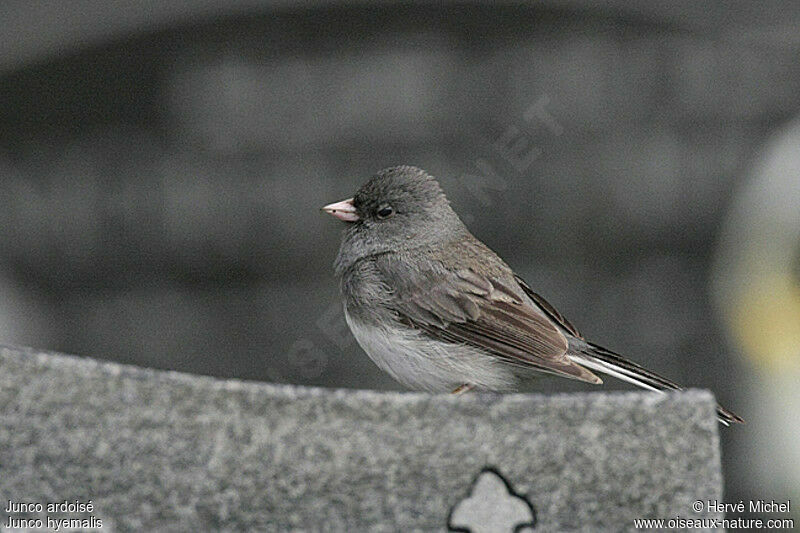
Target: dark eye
[385, 211]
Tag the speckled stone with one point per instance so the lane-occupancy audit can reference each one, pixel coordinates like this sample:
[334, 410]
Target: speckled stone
[165, 451]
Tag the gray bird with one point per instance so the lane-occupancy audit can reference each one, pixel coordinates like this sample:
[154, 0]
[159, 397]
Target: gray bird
[439, 311]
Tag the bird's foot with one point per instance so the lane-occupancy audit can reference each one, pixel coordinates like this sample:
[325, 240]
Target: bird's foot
[461, 389]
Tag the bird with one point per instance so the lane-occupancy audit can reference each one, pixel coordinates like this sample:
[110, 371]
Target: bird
[439, 311]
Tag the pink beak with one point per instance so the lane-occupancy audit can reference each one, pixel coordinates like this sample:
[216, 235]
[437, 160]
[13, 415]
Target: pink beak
[344, 210]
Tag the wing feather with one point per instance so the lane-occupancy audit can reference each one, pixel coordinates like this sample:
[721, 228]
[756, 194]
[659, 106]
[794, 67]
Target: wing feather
[551, 311]
[488, 312]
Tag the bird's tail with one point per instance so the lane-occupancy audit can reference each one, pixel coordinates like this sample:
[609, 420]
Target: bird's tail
[602, 360]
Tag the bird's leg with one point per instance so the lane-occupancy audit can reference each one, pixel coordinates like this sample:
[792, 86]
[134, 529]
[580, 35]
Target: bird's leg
[461, 389]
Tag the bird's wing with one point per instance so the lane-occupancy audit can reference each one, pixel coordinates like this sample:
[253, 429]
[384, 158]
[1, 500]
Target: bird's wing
[489, 313]
[551, 311]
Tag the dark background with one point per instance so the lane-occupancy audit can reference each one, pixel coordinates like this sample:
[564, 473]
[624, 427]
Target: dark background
[162, 169]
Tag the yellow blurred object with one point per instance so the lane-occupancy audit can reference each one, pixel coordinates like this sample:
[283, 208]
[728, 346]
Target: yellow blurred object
[765, 319]
[755, 282]
[756, 288]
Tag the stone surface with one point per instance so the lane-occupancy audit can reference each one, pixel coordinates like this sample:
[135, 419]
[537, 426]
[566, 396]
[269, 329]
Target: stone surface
[166, 451]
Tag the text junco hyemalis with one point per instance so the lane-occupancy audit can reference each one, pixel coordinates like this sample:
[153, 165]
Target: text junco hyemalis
[439, 311]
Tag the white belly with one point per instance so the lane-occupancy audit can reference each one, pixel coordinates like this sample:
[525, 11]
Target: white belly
[421, 363]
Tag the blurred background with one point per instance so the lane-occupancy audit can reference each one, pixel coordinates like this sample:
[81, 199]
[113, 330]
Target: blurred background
[162, 169]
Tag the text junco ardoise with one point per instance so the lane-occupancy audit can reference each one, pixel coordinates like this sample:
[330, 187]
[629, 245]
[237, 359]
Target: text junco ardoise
[439, 311]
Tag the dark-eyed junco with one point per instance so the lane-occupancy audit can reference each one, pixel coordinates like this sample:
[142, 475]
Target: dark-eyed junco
[439, 311]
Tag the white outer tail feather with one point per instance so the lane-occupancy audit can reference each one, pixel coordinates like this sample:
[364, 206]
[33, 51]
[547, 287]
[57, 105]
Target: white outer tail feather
[620, 373]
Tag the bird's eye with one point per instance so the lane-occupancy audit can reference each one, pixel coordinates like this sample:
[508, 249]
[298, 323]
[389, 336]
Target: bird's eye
[385, 211]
